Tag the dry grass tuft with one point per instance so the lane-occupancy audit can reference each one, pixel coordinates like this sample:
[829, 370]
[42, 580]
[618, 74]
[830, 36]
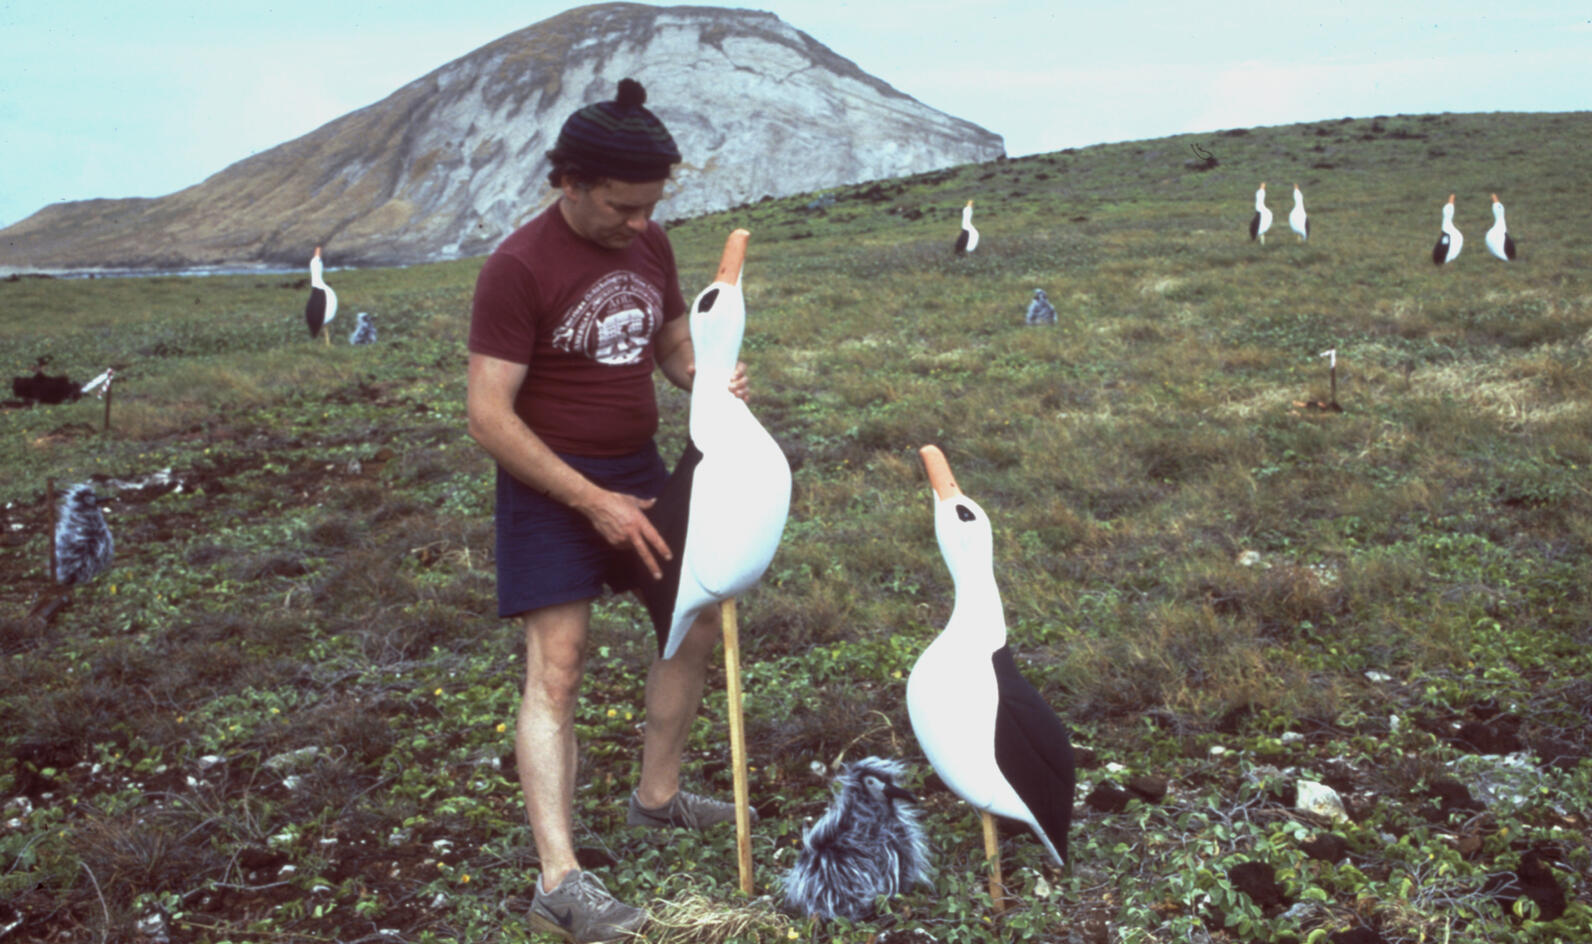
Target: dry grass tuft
[691, 917]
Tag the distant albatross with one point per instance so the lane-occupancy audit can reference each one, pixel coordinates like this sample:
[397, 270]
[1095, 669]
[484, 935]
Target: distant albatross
[1297, 220]
[1451, 240]
[967, 239]
[322, 306]
[1499, 242]
[1261, 221]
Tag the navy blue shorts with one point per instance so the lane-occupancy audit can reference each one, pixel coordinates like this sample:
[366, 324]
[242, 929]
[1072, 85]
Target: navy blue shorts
[548, 553]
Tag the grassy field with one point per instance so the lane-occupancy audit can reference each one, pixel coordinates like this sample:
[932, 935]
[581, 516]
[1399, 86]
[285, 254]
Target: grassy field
[282, 715]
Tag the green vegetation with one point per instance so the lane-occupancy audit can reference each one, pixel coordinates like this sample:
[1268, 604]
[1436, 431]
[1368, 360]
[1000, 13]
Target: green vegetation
[281, 716]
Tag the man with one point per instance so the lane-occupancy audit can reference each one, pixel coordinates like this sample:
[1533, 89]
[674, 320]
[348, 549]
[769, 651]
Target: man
[571, 314]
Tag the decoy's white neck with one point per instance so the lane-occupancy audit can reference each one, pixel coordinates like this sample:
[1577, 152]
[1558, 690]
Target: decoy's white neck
[316, 279]
[718, 322]
[968, 547]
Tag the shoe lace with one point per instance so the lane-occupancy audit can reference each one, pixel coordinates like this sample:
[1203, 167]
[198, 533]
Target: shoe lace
[591, 891]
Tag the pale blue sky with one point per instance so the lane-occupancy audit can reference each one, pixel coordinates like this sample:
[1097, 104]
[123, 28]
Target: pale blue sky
[105, 99]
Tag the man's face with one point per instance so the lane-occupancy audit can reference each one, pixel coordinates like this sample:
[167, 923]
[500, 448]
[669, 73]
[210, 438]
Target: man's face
[611, 213]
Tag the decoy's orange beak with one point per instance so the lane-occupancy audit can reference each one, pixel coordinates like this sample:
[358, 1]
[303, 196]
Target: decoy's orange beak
[733, 258]
[1495, 198]
[940, 478]
[1450, 198]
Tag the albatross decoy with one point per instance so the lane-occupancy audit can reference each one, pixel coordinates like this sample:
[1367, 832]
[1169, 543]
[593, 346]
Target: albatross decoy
[1261, 221]
[987, 731]
[967, 239]
[1499, 242]
[1297, 220]
[1450, 240]
[322, 306]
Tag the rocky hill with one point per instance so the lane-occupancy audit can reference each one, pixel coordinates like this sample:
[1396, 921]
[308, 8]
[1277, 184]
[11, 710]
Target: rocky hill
[450, 163]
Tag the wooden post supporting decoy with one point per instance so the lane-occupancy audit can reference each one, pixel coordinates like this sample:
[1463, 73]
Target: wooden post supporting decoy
[108, 388]
[1332, 374]
[732, 674]
[55, 521]
[992, 852]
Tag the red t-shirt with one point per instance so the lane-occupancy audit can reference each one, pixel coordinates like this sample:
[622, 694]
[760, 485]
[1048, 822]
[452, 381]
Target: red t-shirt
[583, 318]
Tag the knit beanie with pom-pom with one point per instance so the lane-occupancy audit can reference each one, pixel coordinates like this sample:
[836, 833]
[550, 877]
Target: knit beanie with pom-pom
[620, 139]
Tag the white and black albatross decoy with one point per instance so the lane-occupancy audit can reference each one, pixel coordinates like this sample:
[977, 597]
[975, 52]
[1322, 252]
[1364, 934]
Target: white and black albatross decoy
[722, 510]
[869, 843]
[1499, 242]
[967, 239]
[1261, 221]
[1450, 241]
[1298, 221]
[322, 306]
[988, 733]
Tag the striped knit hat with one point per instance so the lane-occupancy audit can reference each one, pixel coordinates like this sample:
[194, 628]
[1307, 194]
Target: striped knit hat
[618, 139]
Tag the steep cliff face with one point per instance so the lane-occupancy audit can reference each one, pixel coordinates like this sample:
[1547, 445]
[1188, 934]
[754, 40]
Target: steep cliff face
[450, 163]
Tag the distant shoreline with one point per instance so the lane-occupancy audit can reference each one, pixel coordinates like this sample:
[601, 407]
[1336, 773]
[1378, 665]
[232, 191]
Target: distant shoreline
[13, 273]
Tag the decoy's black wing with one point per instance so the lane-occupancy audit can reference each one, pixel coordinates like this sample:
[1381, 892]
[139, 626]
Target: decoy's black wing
[315, 311]
[670, 515]
[1033, 751]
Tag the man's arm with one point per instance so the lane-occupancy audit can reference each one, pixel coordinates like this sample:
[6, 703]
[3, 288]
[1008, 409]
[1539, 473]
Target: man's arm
[493, 384]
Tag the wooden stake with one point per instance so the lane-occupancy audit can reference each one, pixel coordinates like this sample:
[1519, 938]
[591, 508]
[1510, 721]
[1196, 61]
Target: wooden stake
[732, 673]
[992, 852]
[108, 388]
[49, 496]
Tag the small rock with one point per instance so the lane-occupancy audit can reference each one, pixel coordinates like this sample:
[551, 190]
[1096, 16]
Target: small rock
[1320, 800]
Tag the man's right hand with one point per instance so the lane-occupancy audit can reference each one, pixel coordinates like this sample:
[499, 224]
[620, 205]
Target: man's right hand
[621, 521]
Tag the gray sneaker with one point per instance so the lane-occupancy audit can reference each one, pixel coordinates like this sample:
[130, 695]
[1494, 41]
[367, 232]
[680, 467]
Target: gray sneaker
[581, 909]
[685, 811]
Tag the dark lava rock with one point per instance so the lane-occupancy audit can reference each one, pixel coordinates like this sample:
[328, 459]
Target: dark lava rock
[1108, 798]
[1148, 788]
[1556, 753]
[1533, 880]
[1259, 881]
[1454, 797]
[1499, 736]
[1327, 847]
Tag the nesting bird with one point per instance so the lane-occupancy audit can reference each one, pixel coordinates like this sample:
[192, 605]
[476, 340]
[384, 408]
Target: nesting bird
[868, 844]
[365, 331]
[83, 544]
[1499, 242]
[1261, 221]
[1040, 311]
[987, 731]
[322, 306]
[1450, 240]
[1297, 220]
[967, 239]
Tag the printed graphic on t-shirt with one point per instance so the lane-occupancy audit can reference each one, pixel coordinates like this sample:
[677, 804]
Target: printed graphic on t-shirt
[615, 320]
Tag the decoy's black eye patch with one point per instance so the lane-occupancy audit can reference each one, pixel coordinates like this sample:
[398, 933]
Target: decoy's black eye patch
[965, 513]
[706, 304]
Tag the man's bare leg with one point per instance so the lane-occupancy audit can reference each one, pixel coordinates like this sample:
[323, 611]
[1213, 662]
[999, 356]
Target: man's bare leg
[674, 694]
[544, 737]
